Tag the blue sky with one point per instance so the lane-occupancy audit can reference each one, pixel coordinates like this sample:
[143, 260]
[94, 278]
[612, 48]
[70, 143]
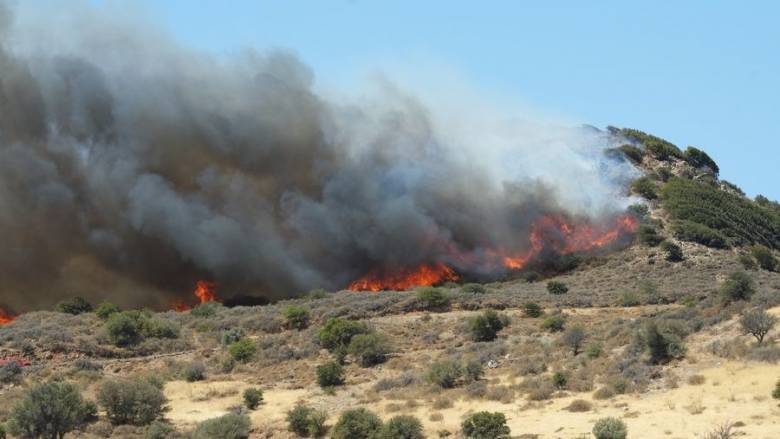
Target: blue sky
[705, 73]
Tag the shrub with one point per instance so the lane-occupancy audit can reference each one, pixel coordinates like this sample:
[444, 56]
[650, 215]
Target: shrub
[252, 398]
[776, 392]
[757, 323]
[160, 430]
[485, 425]
[747, 262]
[579, 405]
[106, 310]
[700, 159]
[305, 421]
[195, 372]
[560, 379]
[296, 317]
[231, 336]
[243, 350]
[135, 402]
[208, 309]
[738, 286]
[75, 306]
[485, 327]
[230, 426]
[473, 289]
[445, 374]
[433, 299]
[473, 371]
[401, 427]
[337, 333]
[554, 323]
[330, 374]
[695, 232]
[557, 288]
[10, 372]
[159, 328]
[369, 349]
[574, 337]
[2, 431]
[764, 256]
[125, 328]
[648, 236]
[356, 424]
[673, 251]
[50, 410]
[532, 309]
[629, 298]
[645, 187]
[594, 350]
[662, 343]
[610, 428]
[632, 152]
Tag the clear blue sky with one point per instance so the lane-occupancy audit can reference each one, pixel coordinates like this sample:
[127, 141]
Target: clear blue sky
[705, 73]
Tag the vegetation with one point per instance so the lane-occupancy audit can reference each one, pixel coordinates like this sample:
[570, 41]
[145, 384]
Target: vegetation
[369, 349]
[356, 424]
[634, 154]
[757, 322]
[648, 235]
[106, 310]
[554, 323]
[330, 374]
[765, 258]
[337, 333]
[532, 310]
[695, 232]
[673, 251]
[160, 430]
[242, 350]
[645, 187]
[776, 392]
[205, 310]
[700, 159]
[485, 425]
[557, 288]
[433, 299]
[445, 374]
[610, 428]
[401, 427]
[306, 421]
[50, 411]
[195, 371]
[473, 288]
[662, 342]
[131, 401]
[485, 327]
[252, 398]
[129, 328]
[738, 286]
[574, 337]
[296, 317]
[75, 306]
[230, 426]
[659, 148]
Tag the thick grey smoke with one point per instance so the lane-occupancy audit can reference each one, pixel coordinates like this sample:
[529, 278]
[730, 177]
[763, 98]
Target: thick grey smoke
[131, 167]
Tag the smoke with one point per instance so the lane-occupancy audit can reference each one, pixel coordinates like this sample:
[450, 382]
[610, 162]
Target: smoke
[130, 167]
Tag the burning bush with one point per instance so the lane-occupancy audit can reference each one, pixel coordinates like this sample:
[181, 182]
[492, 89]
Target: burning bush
[50, 410]
[485, 327]
[131, 401]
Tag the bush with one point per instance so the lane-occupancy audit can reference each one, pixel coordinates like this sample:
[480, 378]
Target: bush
[243, 350]
[662, 343]
[445, 374]
[473, 289]
[10, 372]
[356, 424]
[765, 258]
[776, 392]
[533, 310]
[195, 372]
[135, 402]
[579, 406]
[160, 430]
[695, 232]
[75, 306]
[738, 286]
[305, 421]
[125, 328]
[473, 371]
[574, 338]
[330, 374]
[485, 425]
[2, 431]
[594, 350]
[208, 309]
[485, 327]
[673, 251]
[337, 333]
[369, 349]
[159, 328]
[554, 323]
[557, 288]
[632, 153]
[700, 159]
[645, 187]
[231, 336]
[401, 427]
[747, 262]
[433, 299]
[296, 317]
[757, 323]
[106, 310]
[50, 410]
[610, 428]
[230, 426]
[252, 398]
[648, 236]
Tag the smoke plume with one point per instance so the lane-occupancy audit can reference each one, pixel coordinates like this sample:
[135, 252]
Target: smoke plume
[130, 167]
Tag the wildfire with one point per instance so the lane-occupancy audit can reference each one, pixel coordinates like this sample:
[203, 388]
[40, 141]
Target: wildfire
[424, 275]
[6, 317]
[205, 291]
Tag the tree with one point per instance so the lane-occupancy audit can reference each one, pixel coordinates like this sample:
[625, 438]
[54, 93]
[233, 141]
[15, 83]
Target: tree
[75, 306]
[369, 349]
[485, 425]
[297, 317]
[557, 288]
[356, 424]
[574, 337]
[50, 411]
[645, 187]
[662, 343]
[401, 427]
[131, 401]
[757, 322]
[610, 428]
[330, 374]
[738, 286]
[230, 426]
[485, 327]
[700, 159]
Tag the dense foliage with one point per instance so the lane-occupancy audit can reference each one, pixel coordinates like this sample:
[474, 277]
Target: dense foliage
[485, 425]
[306, 421]
[356, 424]
[50, 410]
[230, 426]
[135, 402]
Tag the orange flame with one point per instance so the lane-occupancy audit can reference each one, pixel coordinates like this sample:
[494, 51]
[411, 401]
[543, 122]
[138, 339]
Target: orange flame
[6, 317]
[424, 275]
[206, 291]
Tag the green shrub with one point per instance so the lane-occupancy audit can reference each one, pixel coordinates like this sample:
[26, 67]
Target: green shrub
[532, 310]
[75, 306]
[560, 379]
[159, 328]
[695, 232]
[776, 392]
[660, 149]
[485, 425]
[243, 350]
[673, 251]
[645, 187]
[305, 421]
[2, 431]
[10, 372]
[473, 289]
[356, 424]
[433, 299]
[557, 288]
[594, 350]
[639, 211]
[50, 410]
[337, 333]
[106, 310]
[634, 154]
[208, 309]
[126, 328]
[296, 317]
[230, 426]
[485, 327]
[473, 371]
[131, 401]
[662, 343]
[610, 428]
[629, 298]
[401, 427]
[195, 371]
[747, 262]
[252, 398]
[369, 349]
[160, 430]
[738, 286]
[764, 256]
[700, 159]
[445, 374]
[574, 337]
[554, 323]
[330, 374]
[231, 336]
[648, 235]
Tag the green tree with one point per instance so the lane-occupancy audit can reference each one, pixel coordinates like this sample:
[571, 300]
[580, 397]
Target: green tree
[557, 288]
[485, 425]
[306, 421]
[75, 306]
[765, 258]
[106, 310]
[50, 411]
[574, 337]
[485, 327]
[532, 309]
[252, 398]
[445, 374]
[673, 251]
[126, 328]
[662, 343]
[330, 374]
[433, 299]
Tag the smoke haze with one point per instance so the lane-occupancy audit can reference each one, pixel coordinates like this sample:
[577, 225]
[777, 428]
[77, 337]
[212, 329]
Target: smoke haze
[130, 167]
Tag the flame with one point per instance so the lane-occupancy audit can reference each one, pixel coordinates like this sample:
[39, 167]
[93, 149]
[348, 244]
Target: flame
[181, 307]
[206, 291]
[6, 317]
[423, 275]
